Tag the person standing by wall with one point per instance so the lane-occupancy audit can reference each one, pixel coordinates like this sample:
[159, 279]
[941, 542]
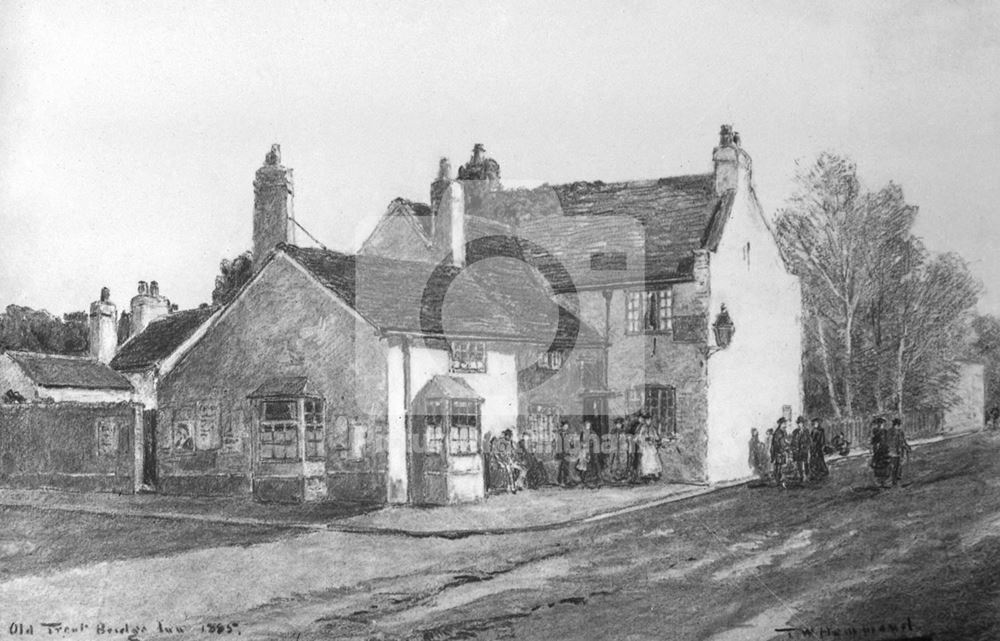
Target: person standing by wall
[800, 448]
[880, 452]
[897, 445]
[818, 469]
[779, 446]
[758, 460]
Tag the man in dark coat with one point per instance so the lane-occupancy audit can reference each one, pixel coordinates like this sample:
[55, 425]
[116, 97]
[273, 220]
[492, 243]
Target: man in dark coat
[801, 443]
[779, 445]
[817, 452]
[880, 452]
[897, 446]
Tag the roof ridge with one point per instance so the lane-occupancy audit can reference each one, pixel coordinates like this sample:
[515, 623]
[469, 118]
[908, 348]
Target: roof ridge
[53, 355]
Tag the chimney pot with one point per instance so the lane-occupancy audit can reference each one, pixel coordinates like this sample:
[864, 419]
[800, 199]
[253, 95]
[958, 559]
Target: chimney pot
[154, 288]
[142, 287]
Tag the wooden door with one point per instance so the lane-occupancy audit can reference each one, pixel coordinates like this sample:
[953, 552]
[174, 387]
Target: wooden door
[428, 468]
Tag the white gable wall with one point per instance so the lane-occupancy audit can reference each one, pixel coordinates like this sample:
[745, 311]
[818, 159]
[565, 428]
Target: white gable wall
[497, 386]
[761, 370]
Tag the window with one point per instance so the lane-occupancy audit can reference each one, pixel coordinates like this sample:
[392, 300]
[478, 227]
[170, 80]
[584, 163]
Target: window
[468, 356]
[649, 311]
[543, 424]
[315, 434]
[660, 402]
[550, 360]
[279, 431]
[434, 427]
[591, 372]
[107, 437]
[464, 437]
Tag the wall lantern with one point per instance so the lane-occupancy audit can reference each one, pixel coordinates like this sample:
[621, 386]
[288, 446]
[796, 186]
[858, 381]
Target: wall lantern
[723, 328]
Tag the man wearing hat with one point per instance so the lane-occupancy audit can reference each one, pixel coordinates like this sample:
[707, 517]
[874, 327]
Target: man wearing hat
[801, 440]
[779, 443]
[880, 462]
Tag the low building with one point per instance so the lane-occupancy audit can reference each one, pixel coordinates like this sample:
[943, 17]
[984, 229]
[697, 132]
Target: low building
[34, 376]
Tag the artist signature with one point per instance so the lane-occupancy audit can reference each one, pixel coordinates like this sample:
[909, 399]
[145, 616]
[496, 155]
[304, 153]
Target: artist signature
[882, 631]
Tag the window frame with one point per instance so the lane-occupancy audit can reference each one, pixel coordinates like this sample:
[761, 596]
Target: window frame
[465, 438]
[543, 424]
[461, 357]
[649, 311]
[306, 426]
[662, 412]
[551, 359]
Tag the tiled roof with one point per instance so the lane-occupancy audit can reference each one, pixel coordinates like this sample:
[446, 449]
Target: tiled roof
[653, 226]
[284, 387]
[160, 339]
[499, 298]
[441, 386]
[54, 370]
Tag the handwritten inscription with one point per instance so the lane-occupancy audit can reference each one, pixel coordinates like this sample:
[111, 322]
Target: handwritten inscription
[876, 632]
[103, 629]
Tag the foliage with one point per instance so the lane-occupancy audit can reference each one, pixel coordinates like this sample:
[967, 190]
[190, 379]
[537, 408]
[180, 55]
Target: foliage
[884, 317]
[233, 275]
[23, 328]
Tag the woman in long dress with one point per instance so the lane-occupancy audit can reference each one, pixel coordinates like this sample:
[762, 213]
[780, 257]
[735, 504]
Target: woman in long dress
[649, 444]
[818, 469]
[880, 452]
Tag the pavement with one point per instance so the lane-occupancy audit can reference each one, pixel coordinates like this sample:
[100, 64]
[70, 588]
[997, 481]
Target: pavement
[528, 511]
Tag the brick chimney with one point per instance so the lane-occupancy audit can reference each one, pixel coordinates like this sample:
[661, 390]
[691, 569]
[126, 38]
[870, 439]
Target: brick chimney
[147, 305]
[732, 164]
[272, 223]
[103, 327]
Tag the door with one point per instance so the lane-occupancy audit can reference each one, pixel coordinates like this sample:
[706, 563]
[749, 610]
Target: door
[149, 448]
[428, 478]
[595, 410]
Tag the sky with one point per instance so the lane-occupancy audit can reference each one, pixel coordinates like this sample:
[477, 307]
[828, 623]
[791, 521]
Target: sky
[130, 132]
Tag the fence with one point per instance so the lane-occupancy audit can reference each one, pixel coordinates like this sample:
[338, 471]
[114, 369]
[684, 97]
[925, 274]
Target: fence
[857, 430]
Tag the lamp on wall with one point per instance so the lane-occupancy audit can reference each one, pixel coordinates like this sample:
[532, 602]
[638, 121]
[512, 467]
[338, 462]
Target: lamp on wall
[723, 328]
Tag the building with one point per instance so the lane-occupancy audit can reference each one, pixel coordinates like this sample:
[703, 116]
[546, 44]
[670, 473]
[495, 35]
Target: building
[31, 376]
[682, 276]
[340, 376]
[968, 411]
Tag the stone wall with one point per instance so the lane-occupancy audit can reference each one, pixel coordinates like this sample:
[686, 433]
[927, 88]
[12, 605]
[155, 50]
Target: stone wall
[78, 446]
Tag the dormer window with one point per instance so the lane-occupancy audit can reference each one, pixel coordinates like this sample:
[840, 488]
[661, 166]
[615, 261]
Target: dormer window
[649, 311]
[468, 356]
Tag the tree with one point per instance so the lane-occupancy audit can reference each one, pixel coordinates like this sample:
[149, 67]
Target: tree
[837, 239]
[233, 275]
[24, 328]
[885, 318]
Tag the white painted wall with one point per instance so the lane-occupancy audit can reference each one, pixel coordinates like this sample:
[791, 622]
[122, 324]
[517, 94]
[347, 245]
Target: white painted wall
[750, 381]
[80, 395]
[968, 413]
[145, 387]
[396, 445]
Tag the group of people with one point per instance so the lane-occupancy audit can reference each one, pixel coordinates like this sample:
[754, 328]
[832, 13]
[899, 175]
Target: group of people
[628, 453]
[888, 447]
[799, 456]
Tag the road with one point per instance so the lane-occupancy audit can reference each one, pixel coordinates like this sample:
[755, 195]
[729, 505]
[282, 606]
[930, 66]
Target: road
[920, 559]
